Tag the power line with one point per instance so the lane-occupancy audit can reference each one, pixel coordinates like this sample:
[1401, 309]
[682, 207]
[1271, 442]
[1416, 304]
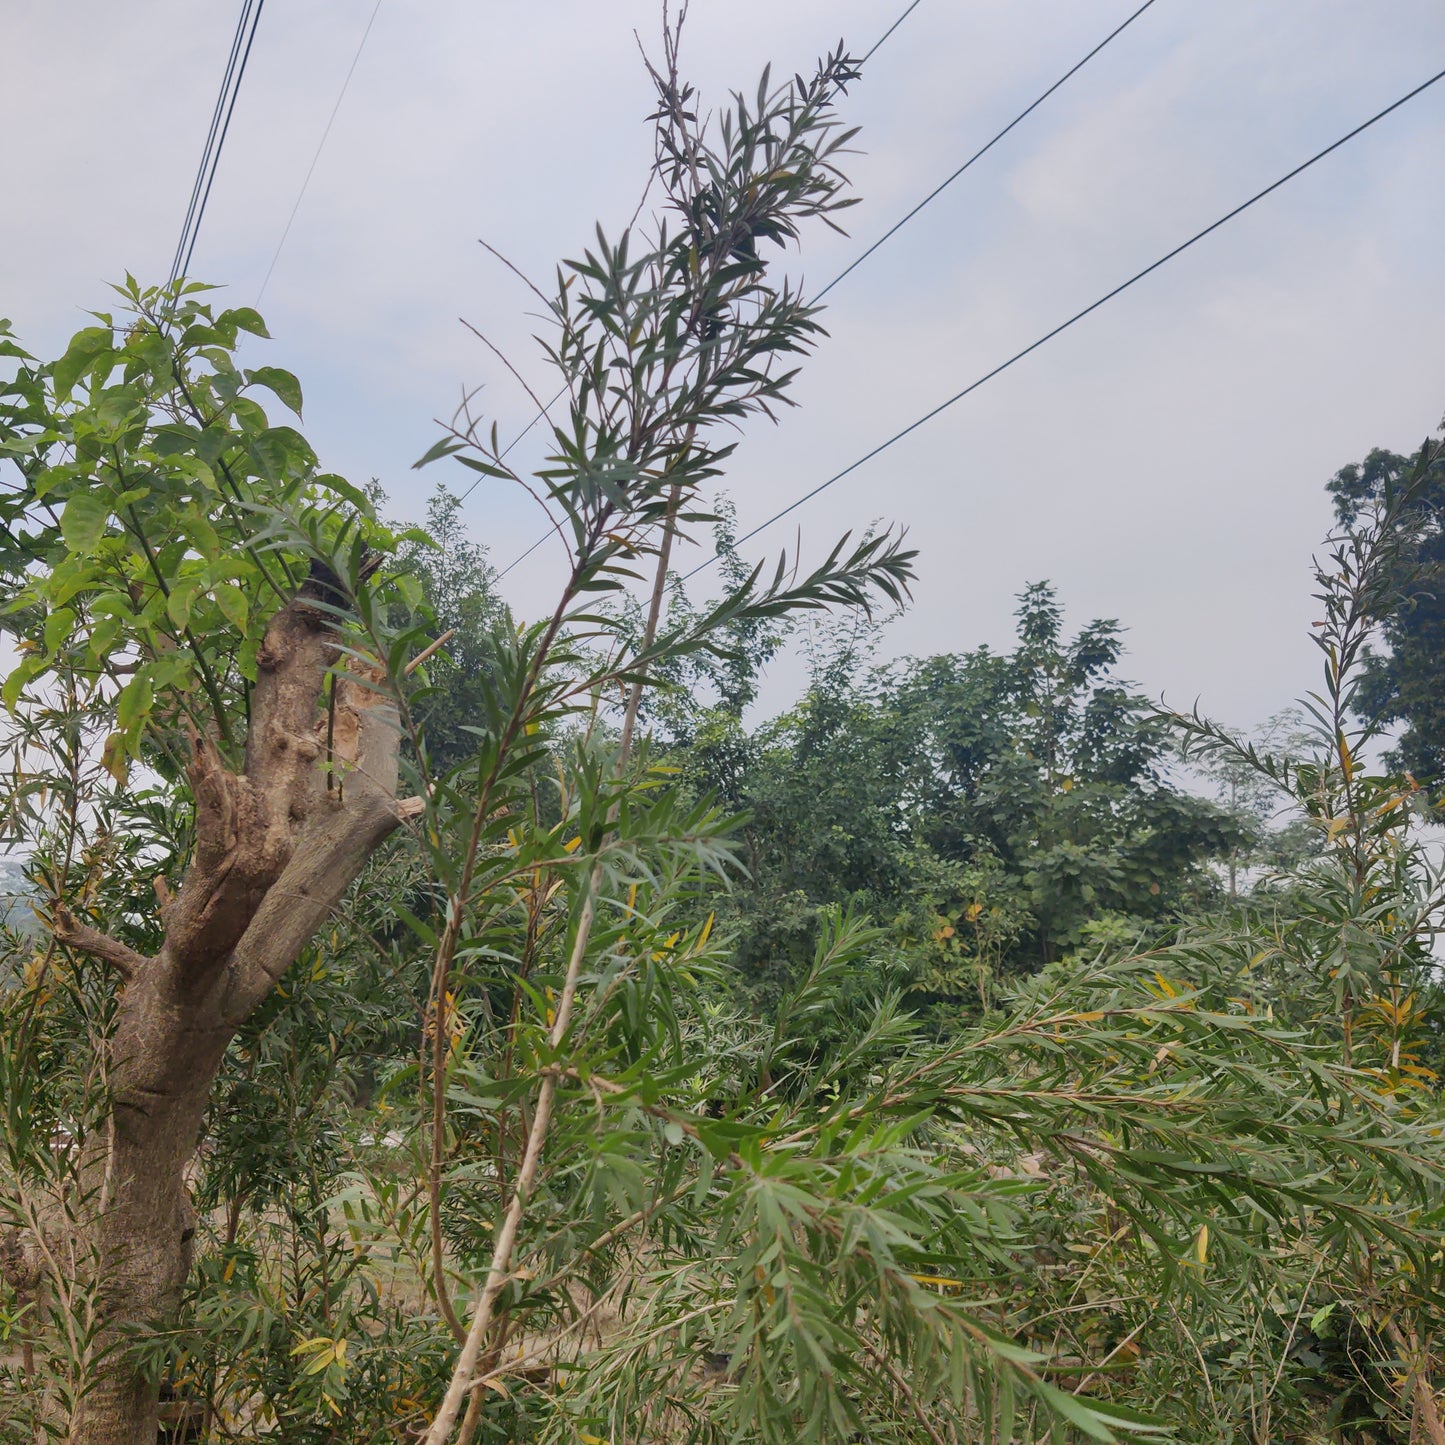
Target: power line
[898, 226]
[877, 45]
[210, 141]
[320, 145]
[216, 137]
[983, 150]
[1077, 316]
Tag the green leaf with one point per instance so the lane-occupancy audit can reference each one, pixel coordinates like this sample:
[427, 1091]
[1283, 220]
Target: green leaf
[83, 522]
[174, 439]
[85, 347]
[103, 636]
[232, 602]
[1075, 1411]
[446, 447]
[181, 600]
[203, 535]
[28, 667]
[348, 490]
[279, 382]
[58, 627]
[244, 318]
[117, 409]
[250, 416]
[133, 705]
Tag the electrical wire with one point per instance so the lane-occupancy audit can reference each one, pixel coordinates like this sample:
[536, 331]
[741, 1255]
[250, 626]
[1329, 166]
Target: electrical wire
[1077, 316]
[898, 226]
[878, 44]
[216, 113]
[982, 151]
[320, 145]
[216, 138]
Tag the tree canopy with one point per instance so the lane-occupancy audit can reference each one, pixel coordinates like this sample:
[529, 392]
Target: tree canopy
[1405, 677]
[998, 808]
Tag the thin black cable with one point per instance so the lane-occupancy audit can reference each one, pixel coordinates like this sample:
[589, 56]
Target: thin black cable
[221, 140]
[1077, 316]
[983, 151]
[216, 114]
[320, 145]
[892, 230]
[877, 45]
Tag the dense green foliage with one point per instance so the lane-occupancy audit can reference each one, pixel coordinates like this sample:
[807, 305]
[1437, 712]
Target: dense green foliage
[997, 809]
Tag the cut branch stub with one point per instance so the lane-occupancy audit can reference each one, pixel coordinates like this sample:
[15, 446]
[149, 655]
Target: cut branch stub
[247, 824]
[85, 939]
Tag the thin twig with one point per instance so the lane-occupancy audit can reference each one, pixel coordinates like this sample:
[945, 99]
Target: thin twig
[430, 650]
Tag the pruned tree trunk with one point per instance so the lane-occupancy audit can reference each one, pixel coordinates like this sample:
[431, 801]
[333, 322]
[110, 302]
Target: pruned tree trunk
[276, 847]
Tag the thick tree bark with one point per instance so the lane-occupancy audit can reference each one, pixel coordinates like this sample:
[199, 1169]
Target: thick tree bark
[276, 847]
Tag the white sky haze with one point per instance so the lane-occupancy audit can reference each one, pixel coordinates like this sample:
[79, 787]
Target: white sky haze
[1163, 462]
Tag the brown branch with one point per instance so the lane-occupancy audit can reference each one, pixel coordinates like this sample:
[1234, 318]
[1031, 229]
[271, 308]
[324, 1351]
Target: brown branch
[499, 1270]
[428, 650]
[85, 939]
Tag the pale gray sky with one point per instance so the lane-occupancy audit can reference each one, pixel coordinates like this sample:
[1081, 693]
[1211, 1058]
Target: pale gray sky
[1163, 462]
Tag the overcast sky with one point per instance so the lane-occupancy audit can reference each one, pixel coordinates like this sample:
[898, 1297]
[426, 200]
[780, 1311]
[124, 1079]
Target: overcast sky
[1162, 463]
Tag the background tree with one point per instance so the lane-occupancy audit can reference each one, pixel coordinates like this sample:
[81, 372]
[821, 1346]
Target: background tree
[1405, 682]
[1274, 840]
[995, 808]
[1045, 760]
[459, 586]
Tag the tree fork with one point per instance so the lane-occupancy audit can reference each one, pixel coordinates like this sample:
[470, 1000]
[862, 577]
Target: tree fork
[275, 851]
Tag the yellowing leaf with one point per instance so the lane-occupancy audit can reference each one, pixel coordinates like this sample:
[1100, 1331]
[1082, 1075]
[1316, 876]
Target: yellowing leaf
[113, 758]
[940, 1280]
[1201, 1245]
